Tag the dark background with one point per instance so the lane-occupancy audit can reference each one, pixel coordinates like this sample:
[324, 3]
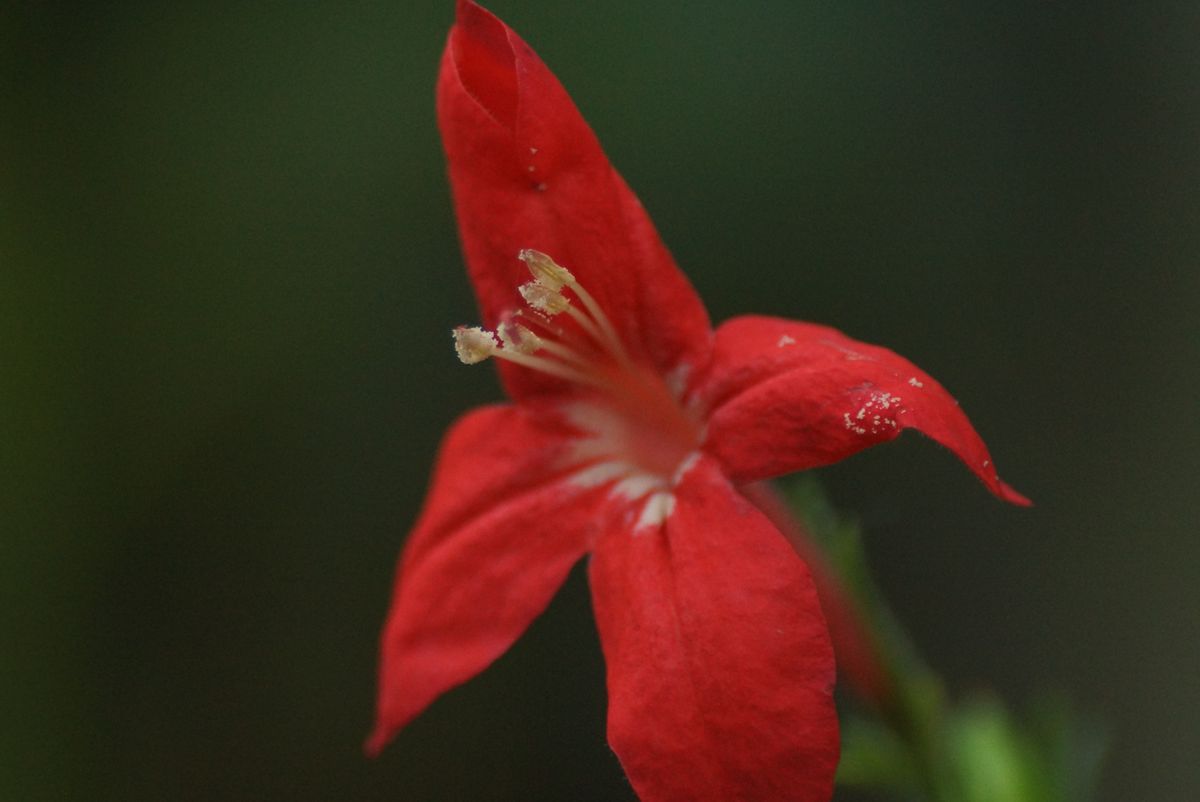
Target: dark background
[228, 265]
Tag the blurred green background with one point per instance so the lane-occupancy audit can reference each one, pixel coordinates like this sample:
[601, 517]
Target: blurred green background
[228, 265]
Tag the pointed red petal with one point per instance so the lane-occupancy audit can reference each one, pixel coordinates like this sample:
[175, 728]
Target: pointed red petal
[527, 172]
[784, 396]
[720, 671]
[498, 535]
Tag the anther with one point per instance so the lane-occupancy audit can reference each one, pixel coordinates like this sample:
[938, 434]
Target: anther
[474, 344]
[518, 337]
[546, 270]
[544, 298]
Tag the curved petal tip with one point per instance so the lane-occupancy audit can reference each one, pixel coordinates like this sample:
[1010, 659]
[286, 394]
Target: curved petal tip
[377, 740]
[1007, 493]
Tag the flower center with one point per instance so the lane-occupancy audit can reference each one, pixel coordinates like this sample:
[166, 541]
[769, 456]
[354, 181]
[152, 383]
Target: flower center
[639, 436]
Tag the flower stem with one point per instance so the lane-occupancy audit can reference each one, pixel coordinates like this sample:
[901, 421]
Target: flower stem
[902, 733]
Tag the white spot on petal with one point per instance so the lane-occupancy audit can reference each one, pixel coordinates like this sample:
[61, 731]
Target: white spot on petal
[677, 379]
[785, 340]
[875, 405]
[915, 382]
[688, 463]
[655, 511]
[600, 473]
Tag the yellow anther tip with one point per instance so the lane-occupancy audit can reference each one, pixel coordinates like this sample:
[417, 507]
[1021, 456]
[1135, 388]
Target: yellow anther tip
[545, 269]
[543, 298]
[474, 344]
[518, 338]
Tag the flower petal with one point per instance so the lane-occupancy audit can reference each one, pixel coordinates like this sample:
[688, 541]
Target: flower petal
[720, 670]
[527, 172]
[784, 396]
[501, 528]
[856, 646]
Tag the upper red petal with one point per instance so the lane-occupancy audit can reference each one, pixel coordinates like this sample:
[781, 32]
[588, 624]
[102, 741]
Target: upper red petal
[500, 531]
[527, 172]
[720, 670]
[783, 396]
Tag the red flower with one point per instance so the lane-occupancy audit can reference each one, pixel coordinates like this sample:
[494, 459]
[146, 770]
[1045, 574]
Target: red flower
[633, 425]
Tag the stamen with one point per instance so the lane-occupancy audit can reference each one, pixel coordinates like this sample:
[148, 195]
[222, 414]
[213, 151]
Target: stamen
[564, 353]
[518, 337]
[473, 345]
[590, 327]
[543, 298]
[554, 277]
[567, 355]
[606, 326]
[547, 330]
[546, 324]
[553, 368]
[546, 270]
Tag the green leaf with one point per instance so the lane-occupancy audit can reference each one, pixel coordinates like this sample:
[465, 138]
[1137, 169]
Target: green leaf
[873, 756]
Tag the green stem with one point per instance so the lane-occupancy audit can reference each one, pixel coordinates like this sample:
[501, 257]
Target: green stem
[912, 741]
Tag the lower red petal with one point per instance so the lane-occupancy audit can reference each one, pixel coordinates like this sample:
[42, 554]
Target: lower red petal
[784, 396]
[501, 529]
[720, 670]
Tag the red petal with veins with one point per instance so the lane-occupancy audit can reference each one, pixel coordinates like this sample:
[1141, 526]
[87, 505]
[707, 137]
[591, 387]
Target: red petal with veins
[500, 531]
[527, 172]
[785, 396]
[720, 670]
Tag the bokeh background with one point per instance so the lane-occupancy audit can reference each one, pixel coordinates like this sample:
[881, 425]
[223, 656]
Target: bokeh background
[228, 265]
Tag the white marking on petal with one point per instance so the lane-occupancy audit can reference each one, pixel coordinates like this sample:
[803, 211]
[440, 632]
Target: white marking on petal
[601, 455]
[636, 485]
[915, 382]
[591, 417]
[655, 511]
[677, 379]
[688, 463]
[785, 340]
